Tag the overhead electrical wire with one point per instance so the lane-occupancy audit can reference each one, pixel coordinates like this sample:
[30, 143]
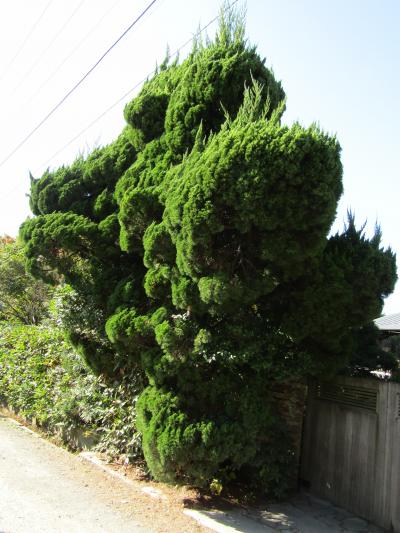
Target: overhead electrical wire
[127, 93]
[111, 107]
[75, 87]
[48, 46]
[17, 53]
[71, 53]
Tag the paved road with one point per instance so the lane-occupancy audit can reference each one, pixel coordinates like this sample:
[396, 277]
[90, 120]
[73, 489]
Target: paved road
[44, 489]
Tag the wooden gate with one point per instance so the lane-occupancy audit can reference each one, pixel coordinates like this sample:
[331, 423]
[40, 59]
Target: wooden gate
[351, 447]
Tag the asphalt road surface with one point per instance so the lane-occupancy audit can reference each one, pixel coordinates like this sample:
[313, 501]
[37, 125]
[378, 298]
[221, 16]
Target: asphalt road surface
[44, 488]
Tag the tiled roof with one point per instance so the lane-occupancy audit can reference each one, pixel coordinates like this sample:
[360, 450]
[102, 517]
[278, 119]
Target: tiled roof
[388, 322]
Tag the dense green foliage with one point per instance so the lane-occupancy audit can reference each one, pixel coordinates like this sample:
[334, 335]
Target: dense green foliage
[370, 353]
[23, 299]
[44, 379]
[199, 240]
[391, 345]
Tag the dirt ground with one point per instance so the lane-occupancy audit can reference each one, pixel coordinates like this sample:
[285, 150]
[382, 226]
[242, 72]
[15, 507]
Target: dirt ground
[160, 506]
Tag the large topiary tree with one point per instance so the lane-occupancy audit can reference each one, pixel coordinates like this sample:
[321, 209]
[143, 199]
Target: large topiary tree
[200, 236]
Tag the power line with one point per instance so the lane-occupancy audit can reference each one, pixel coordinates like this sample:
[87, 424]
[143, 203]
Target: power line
[71, 53]
[127, 93]
[48, 46]
[54, 109]
[111, 107]
[36, 23]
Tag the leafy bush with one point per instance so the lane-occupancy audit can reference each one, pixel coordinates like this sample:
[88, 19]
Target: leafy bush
[23, 299]
[43, 378]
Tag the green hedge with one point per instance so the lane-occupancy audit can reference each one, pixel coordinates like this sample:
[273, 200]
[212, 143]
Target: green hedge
[43, 378]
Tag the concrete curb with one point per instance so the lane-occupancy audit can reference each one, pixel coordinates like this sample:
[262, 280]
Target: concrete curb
[92, 458]
[203, 518]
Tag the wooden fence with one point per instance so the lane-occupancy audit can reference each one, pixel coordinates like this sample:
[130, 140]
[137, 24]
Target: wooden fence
[351, 447]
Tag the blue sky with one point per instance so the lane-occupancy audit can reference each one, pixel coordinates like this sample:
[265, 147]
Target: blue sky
[338, 62]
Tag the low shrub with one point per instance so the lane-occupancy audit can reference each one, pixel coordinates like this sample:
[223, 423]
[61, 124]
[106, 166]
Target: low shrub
[43, 378]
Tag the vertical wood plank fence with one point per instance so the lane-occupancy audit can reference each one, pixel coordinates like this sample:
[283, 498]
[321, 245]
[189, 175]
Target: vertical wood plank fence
[351, 447]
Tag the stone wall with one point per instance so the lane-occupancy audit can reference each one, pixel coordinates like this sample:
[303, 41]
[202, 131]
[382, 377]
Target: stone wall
[290, 398]
[76, 438]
